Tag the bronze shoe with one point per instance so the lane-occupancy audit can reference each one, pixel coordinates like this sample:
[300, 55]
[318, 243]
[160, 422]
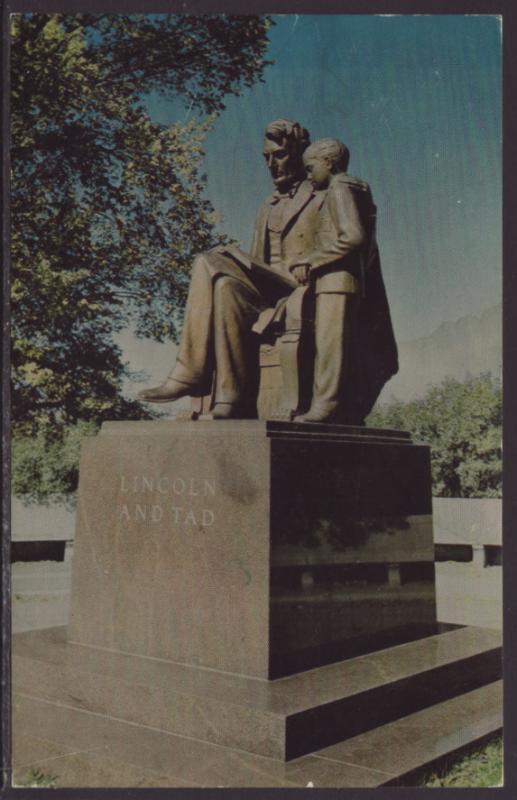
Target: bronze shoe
[169, 390]
[226, 411]
[317, 414]
[233, 411]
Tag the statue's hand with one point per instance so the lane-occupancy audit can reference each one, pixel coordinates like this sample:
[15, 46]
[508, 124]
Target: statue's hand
[300, 272]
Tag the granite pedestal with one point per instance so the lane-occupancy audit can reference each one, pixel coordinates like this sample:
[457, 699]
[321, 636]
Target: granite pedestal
[247, 597]
[280, 719]
[255, 548]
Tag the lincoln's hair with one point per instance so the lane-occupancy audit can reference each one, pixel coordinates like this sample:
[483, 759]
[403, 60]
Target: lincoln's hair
[336, 153]
[296, 138]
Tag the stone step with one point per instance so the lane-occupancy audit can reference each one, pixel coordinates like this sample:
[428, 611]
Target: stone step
[281, 719]
[419, 741]
[85, 749]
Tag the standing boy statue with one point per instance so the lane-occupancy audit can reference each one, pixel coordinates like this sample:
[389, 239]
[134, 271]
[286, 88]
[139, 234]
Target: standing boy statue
[355, 352]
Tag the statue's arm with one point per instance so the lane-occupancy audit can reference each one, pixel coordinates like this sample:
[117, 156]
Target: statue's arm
[348, 233]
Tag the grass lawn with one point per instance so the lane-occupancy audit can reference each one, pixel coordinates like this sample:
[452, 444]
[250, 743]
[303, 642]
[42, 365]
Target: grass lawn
[36, 778]
[481, 767]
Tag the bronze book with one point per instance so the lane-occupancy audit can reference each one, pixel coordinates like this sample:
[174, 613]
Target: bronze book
[260, 267]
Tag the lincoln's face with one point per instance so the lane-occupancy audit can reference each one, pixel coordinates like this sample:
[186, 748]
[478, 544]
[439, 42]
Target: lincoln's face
[282, 163]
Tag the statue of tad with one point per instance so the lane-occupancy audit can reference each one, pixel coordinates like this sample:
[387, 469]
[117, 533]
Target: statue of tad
[317, 230]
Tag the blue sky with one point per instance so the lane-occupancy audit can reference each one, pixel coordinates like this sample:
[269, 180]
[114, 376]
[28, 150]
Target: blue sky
[418, 101]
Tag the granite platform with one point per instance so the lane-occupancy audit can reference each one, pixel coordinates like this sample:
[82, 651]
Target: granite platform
[282, 719]
[247, 596]
[79, 715]
[257, 548]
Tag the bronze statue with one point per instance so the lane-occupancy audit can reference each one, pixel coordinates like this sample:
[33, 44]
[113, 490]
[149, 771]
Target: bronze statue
[320, 234]
[345, 253]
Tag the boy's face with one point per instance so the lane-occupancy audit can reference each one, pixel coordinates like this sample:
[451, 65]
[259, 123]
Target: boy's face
[318, 170]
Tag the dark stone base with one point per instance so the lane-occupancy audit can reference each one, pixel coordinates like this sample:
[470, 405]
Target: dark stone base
[130, 756]
[256, 548]
[281, 719]
[212, 555]
[289, 663]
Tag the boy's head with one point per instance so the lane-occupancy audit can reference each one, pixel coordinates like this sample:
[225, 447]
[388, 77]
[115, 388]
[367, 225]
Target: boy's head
[324, 158]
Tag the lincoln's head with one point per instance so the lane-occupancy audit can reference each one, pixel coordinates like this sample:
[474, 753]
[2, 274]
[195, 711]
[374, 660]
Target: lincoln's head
[284, 144]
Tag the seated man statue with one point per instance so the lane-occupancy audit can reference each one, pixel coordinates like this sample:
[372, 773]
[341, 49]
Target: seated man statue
[226, 299]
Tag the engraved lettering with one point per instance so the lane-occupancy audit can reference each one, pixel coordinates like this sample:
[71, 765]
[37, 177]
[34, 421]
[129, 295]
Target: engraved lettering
[154, 513]
[162, 485]
[147, 484]
[176, 510]
[209, 488]
[190, 519]
[166, 486]
[193, 487]
[208, 517]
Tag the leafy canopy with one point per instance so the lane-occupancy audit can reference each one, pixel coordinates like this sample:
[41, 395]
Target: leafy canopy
[463, 424]
[46, 464]
[107, 206]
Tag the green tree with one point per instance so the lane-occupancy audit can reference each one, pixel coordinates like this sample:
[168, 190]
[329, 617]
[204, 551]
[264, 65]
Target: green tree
[462, 421]
[46, 464]
[107, 206]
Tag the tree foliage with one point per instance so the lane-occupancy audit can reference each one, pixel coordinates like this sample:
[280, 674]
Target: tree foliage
[107, 206]
[462, 421]
[45, 465]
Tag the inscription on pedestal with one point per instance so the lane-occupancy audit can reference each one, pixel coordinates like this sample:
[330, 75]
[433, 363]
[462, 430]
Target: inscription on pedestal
[156, 499]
